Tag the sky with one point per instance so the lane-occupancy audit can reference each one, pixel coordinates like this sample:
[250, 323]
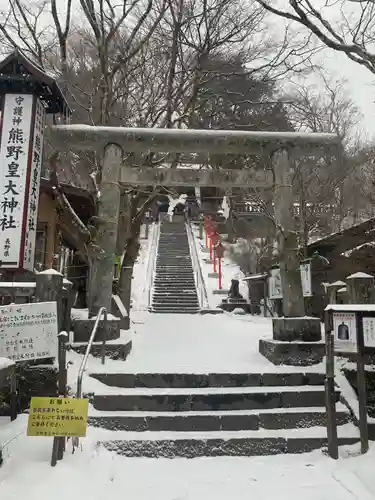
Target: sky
[360, 85]
[360, 81]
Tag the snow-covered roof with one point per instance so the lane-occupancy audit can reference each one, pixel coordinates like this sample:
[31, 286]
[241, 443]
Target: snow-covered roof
[351, 307]
[5, 363]
[359, 275]
[254, 277]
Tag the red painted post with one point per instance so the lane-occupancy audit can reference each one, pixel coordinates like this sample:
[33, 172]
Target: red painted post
[220, 277]
[214, 260]
[210, 249]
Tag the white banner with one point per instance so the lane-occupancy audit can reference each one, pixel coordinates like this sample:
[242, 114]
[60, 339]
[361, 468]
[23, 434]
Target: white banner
[198, 195]
[28, 331]
[33, 188]
[20, 159]
[306, 279]
[274, 284]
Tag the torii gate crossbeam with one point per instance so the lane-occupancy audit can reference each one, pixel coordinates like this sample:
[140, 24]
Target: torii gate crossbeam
[161, 140]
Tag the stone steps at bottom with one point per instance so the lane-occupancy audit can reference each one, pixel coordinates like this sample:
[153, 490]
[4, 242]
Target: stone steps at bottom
[236, 420]
[220, 443]
[218, 414]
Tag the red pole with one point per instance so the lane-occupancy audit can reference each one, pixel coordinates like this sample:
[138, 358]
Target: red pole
[220, 277]
[210, 249]
[215, 261]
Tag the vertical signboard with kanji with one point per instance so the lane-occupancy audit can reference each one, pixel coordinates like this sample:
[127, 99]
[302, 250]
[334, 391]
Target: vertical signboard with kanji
[20, 160]
[32, 199]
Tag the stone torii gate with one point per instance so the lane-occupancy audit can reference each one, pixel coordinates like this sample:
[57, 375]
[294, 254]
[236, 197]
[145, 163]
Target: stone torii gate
[281, 147]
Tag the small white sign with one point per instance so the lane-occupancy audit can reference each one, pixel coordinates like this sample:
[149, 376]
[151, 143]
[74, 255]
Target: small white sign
[28, 331]
[306, 279]
[274, 284]
[345, 332]
[368, 332]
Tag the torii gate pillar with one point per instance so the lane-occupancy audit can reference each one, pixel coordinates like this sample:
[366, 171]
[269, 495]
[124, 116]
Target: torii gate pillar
[294, 326]
[105, 241]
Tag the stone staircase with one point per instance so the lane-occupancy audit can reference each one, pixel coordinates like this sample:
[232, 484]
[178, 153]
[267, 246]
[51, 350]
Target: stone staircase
[174, 289]
[191, 415]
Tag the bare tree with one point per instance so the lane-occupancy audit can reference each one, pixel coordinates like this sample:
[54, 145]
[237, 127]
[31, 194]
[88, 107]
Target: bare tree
[143, 63]
[352, 34]
[319, 183]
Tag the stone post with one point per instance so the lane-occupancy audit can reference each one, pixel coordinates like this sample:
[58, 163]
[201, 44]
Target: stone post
[294, 326]
[48, 288]
[360, 288]
[68, 300]
[287, 236]
[332, 291]
[342, 295]
[104, 246]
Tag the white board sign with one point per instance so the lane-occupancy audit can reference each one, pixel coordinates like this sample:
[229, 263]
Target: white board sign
[19, 180]
[368, 332]
[345, 332]
[274, 284]
[305, 269]
[28, 331]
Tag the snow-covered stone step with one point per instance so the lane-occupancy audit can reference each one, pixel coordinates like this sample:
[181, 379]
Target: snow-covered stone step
[208, 399]
[230, 443]
[181, 300]
[236, 420]
[191, 380]
[175, 310]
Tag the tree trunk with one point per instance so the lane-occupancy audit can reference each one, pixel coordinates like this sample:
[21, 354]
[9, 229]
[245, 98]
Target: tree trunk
[125, 222]
[103, 248]
[127, 267]
[287, 238]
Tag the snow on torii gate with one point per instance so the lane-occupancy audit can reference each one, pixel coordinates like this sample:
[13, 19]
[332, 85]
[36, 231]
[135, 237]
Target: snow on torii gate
[281, 147]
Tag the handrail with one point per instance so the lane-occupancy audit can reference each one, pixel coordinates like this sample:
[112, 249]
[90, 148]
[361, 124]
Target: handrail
[102, 311]
[202, 291]
[151, 261]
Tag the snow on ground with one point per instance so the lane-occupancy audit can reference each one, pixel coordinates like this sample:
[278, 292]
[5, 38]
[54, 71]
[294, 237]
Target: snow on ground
[189, 343]
[177, 343]
[95, 473]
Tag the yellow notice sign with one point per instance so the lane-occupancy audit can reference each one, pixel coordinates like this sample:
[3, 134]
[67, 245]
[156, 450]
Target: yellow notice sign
[58, 417]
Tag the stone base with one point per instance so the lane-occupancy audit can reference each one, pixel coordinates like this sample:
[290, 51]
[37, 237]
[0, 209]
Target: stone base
[82, 329]
[292, 353]
[300, 329]
[220, 292]
[211, 311]
[230, 305]
[112, 351]
[213, 275]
